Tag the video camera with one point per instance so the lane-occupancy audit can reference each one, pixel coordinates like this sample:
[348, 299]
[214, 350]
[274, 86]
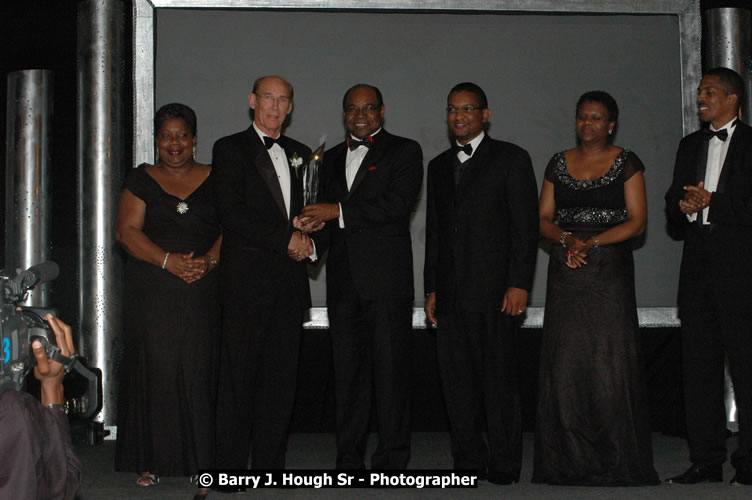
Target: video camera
[20, 328]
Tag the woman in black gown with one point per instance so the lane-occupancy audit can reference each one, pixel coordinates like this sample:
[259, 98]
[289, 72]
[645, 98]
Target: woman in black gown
[592, 421]
[168, 225]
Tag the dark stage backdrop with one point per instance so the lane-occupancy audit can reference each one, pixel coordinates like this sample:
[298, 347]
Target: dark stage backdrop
[532, 67]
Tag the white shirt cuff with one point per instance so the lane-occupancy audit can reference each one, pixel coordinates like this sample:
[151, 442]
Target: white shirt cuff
[341, 217]
[314, 256]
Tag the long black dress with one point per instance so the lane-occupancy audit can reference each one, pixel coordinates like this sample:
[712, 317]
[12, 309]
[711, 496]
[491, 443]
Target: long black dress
[167, 382]
[592, 421]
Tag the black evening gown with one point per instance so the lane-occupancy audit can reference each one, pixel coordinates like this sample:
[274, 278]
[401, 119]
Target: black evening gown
[167, 381]
[593, 423]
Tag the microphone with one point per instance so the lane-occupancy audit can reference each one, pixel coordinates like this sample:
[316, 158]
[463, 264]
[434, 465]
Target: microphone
[46, 271]
[40, 273]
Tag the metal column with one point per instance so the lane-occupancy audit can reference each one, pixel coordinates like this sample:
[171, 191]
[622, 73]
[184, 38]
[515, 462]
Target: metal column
[728, 43]
[28, 183]
[100, 154]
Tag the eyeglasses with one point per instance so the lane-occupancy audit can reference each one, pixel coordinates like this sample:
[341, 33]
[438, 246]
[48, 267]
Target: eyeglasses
[268, 98]
[366, 110]
[464, 109]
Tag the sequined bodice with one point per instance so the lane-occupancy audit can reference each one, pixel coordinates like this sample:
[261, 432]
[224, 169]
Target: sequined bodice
[596, 202]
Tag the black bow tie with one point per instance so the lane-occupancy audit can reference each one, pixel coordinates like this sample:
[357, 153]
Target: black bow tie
[354, 144]
[709, 134]
[467, 148]
[269, 142]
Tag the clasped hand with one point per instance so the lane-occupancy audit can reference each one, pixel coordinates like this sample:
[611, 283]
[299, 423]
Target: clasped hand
[300, 246]
[188, 268]
[695, 199]
[577, 250]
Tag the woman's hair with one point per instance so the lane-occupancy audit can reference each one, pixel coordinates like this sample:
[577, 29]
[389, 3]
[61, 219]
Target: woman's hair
[601, 97]
[175, 110]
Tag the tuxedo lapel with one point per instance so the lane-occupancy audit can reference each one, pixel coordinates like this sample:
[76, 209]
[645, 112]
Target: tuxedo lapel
[263, 163]
[445, 179]
[702, 159]
[340, 175]
[731, 156]
[296, 184]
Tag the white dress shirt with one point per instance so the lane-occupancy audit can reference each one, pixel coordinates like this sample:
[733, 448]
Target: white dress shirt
[717, 150]
[353, 159]
[462, 156]
[279, 159]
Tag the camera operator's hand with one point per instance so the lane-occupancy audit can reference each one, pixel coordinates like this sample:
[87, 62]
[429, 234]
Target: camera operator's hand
[50, 373]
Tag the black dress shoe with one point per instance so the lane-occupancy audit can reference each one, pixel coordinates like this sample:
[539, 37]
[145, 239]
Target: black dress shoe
[742, 477]
[698, 474]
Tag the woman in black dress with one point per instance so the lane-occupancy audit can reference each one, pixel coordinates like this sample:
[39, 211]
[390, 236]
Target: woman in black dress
[168, 225]
[592, 421]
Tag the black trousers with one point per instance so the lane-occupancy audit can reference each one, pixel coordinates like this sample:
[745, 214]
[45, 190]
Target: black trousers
[258, 375]
[371, 346]
[715, 326]
[477, 353]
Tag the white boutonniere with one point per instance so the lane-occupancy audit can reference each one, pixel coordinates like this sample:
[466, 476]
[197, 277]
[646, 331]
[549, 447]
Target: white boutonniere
[296, 161]
[182, 207]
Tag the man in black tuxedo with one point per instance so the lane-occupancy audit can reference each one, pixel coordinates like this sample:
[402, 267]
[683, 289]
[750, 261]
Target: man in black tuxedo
[371, 183]
[711, 200]
[264, 283]
[481, 246]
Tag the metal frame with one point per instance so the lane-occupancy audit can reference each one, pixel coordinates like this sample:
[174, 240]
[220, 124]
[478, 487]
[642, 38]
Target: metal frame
[690, 32]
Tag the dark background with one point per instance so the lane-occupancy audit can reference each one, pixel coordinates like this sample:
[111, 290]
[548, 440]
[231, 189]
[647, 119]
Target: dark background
[41, 34]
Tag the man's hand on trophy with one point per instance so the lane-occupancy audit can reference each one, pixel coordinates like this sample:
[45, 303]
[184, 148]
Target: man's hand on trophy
[317, 214]
[305, 225]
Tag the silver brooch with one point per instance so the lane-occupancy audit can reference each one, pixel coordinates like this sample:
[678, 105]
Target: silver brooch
[182, 207]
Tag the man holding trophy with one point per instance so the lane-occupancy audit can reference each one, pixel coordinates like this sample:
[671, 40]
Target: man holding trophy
[370, 184]
[264, 284]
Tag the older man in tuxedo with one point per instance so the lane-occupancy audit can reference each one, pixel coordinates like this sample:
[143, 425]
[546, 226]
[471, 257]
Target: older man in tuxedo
[371, 183]
[264, 283]
[710, 199]
[481, 246]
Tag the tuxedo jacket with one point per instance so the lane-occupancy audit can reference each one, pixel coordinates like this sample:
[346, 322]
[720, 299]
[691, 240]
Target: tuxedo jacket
[717, 256]
[374, 249]
[481, 235]
[255, 226]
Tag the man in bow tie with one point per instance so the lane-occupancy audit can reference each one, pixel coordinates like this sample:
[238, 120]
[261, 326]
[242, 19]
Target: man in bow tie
[371, 183]
[264, 281]
[710, 200]
[481, 246]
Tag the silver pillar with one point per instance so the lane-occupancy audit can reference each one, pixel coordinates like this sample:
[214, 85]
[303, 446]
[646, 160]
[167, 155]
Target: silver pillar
[100, 167]
[728, 43]
[28, 184]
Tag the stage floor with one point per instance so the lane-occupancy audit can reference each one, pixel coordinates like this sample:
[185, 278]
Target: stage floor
[430, 450]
